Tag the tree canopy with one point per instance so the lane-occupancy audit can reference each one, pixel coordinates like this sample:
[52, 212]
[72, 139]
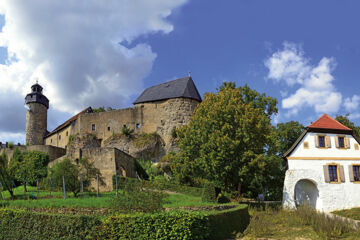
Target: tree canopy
[227, 138]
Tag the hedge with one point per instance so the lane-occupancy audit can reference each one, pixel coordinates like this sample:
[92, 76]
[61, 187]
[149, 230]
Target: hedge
[19, 224]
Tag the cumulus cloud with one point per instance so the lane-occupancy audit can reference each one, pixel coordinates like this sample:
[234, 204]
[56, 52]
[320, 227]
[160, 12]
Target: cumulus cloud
[315, 83]
[352, 104]
[80, 51]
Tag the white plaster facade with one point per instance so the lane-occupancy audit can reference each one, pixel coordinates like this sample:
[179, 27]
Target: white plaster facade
[305, 177]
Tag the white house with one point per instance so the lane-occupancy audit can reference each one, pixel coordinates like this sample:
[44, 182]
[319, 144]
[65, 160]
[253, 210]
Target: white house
[323, 168]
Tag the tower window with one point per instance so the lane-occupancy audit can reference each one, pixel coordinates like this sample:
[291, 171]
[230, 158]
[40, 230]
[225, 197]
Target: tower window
[109, 129]
[93, 127]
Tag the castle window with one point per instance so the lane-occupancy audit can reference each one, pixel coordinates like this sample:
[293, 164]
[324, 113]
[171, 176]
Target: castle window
[93, 127]
[59, 137]
[50, 140]
[138, 125]
[333, 174]
[67, 133]
[109, 129]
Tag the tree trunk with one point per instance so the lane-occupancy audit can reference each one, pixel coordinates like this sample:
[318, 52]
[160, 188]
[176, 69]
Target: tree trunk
[239, 189]
[25, 190]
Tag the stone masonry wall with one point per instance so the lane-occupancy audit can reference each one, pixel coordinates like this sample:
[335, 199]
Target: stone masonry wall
[36, 124]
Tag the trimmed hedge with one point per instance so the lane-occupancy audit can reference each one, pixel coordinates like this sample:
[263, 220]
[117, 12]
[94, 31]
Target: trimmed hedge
[19, 224]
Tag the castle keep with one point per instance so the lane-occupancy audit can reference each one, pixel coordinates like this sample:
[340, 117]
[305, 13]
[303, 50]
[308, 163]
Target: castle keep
[159, 109]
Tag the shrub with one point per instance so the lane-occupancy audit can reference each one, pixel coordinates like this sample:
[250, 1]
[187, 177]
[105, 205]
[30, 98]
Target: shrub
[137, 198]
[208, 193]
[20, 224]
[127, 131]
[221, 198]
[11, 145]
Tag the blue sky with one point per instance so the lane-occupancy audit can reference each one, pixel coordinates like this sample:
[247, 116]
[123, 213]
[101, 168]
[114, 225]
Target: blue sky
[304, 53]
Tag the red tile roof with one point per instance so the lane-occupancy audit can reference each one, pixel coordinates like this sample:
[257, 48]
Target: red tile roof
[327, 122]
[69, 121]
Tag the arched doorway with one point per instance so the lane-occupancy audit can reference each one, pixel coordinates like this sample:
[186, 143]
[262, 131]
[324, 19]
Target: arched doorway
[306, 193]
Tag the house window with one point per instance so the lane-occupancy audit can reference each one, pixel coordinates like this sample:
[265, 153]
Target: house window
[93, 127]
[356, 146]
[306, 145]
[333, 175]
[109, 129]
[356, 172]
[321, 141]
[341, 142]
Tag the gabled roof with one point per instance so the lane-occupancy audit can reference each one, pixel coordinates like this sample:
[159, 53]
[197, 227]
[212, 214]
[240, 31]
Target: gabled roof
[69, 121]
[182, 87]
[327, 122]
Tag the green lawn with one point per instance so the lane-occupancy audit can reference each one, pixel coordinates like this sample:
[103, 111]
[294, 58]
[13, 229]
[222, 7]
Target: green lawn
[89, 200]
[353, 213]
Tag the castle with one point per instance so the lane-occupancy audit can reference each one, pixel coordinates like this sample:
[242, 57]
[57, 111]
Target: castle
[159, 109]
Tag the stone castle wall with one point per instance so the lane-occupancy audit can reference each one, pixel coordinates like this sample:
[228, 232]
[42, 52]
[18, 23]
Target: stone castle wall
[36, 124]
[161, 117]
[53, 152]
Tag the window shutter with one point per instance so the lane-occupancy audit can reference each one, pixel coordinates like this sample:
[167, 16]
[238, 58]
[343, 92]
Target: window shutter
[328, 141]
[347, 142]
[326, 173]
[337, 141]
[342, 175]
[316, 141]
[351, 173]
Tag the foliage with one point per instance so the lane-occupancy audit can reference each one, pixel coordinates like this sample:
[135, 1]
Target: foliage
[287, 134]
[152, 170]
[345, 120]
[353, 213]
[176, 225]
[135, 197]
[71, 140]
[226, 140]
[168, 157]
[11, 145]
[145, 139]
[74, 174]
[140, 171]
[29, 166]
[99, 109]
[127, 131]
[20, 224]
[6, 175]
[304, 223]
[209, 193]
[174, 133]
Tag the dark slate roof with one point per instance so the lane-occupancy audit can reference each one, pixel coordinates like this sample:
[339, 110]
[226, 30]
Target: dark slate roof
[182, 87]
[69, 121]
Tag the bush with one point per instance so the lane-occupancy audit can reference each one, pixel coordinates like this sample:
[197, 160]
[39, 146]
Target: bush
[136, 198]
[20, 224]
[127, 131]
[208, 193]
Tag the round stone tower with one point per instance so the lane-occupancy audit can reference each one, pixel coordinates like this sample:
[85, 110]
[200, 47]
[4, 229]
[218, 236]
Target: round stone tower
[36, 116]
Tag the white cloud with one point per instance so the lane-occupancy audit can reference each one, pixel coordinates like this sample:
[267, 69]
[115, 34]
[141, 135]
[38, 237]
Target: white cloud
[315, 83]
[79, 50]
[352, 104]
